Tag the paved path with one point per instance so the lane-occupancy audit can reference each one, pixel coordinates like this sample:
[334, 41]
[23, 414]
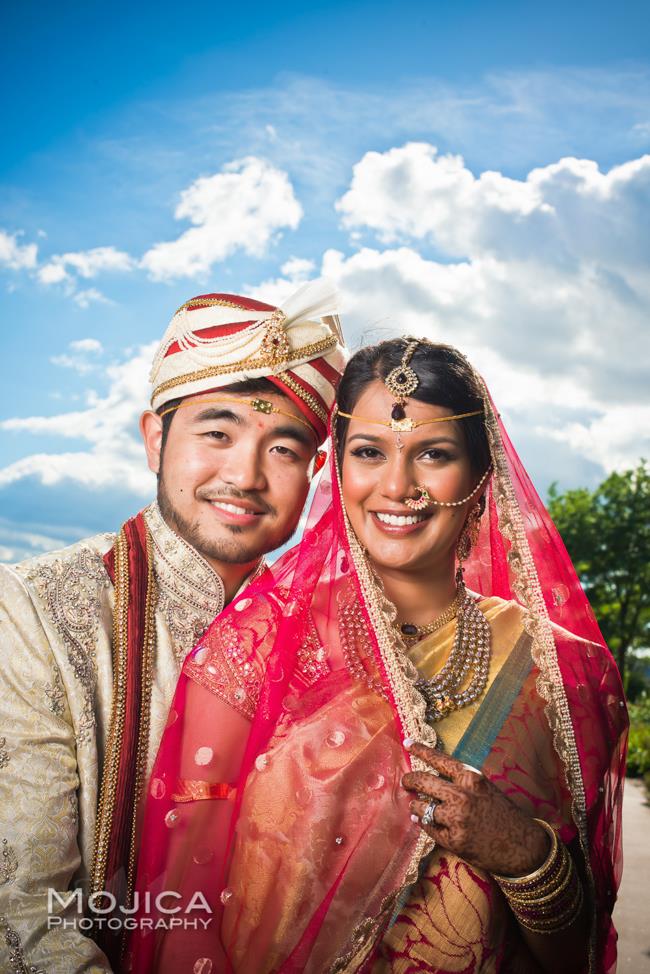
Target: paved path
[632, 913]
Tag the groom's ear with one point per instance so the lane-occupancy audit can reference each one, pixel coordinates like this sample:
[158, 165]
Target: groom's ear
[319, 460]
[151, 430]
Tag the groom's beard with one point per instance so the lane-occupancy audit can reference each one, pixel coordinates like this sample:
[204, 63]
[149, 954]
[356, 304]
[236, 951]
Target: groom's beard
[232, 547]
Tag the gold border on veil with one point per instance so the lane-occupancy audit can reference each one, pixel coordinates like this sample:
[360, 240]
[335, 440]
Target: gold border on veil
[527, 588]
[411, 708]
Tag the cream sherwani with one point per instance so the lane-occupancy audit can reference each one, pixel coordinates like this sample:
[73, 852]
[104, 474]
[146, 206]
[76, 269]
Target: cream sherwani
[56, 681]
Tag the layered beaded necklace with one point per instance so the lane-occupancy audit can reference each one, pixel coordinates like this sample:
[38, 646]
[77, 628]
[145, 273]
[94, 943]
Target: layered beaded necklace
[469, 659]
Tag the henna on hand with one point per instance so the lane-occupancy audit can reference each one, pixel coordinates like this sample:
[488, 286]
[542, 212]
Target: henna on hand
[474, 819]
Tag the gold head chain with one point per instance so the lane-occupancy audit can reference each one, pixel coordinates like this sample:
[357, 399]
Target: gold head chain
[257, 405]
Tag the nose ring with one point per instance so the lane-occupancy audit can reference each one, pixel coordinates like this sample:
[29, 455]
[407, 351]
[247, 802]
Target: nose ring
[420, 502]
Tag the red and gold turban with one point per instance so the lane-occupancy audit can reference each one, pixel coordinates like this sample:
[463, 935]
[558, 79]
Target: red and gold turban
[216, 340]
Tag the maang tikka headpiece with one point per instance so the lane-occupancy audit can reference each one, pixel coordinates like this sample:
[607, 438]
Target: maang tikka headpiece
[402, 382]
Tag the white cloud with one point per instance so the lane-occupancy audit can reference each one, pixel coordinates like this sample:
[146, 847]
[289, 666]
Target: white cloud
[52, 273]
[81, 358]
[91, 346]
[558, 213]
[18, 542]
[547, 339]
[89, 296]
[298, 268]
[616, 438]
[240, 208]
[115, 457]
[14, 255]
[84, 263]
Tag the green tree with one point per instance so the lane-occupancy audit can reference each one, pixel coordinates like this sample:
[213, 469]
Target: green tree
[607, 534]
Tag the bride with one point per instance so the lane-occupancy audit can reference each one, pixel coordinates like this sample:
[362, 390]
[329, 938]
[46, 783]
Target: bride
[403, 750]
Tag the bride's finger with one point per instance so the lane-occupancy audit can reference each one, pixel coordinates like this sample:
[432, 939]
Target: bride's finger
[429, 784]
[419, 807]
[438, 760]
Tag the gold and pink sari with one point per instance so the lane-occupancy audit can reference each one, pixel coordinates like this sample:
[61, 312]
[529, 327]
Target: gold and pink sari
[276, 792]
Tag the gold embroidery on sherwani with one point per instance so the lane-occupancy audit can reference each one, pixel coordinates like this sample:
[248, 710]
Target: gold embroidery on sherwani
[55, 694]
[52, 830]
[71, 591]
[8, 864]
[190, 593]
[17, 957]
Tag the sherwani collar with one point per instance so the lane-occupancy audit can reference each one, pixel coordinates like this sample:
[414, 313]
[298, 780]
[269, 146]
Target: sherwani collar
[190, 592]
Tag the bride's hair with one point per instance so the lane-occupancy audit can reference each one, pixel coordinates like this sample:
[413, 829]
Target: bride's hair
[446, 379]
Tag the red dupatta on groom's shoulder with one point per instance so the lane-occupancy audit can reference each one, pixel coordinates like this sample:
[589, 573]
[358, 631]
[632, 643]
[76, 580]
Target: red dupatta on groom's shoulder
[129, 564]
[275, 816]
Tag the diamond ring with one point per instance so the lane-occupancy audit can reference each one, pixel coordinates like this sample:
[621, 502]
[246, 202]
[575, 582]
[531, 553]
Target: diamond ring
[428, 818]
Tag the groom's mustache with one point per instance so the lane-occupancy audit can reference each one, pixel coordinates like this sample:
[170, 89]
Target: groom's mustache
[226, 492]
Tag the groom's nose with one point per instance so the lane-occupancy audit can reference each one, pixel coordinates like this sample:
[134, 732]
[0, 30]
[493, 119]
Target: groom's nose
[244, 469]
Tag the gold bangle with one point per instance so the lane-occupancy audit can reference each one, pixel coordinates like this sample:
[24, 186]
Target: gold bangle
[557, 925]
[540, 873]
[549, 891]
[563, 907]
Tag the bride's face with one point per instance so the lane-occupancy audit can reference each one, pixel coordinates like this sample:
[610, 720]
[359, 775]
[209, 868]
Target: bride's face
[377, 477]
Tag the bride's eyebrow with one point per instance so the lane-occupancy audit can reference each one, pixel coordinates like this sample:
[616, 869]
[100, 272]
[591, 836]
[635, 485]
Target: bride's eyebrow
[436, 440]
[366, 436]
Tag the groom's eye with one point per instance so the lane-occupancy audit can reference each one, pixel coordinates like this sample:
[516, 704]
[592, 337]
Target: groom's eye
[284, 451]
[216, 435]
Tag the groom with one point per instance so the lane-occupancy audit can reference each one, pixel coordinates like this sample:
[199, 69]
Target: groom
[94, 636]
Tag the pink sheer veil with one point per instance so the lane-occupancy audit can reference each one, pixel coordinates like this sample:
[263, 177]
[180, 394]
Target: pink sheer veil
[276, 790]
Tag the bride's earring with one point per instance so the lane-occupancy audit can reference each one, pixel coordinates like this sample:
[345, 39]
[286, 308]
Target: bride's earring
[467, 540]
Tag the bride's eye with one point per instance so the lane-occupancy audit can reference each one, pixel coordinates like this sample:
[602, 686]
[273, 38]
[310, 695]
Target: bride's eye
[367, 453]
[435, 454]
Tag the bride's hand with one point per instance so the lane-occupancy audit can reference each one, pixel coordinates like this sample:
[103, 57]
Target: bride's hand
[473, 819]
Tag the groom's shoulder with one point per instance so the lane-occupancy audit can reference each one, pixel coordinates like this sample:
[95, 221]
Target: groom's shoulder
[73, 571]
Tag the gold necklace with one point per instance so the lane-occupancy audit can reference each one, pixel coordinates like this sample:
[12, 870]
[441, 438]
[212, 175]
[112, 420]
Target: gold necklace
[411, 633]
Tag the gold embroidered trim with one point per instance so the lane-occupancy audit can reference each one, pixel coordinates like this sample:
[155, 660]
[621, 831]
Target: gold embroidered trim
[190, 591]
[211, 303]
[409, 703]
[259, 361]
[550, 686]
[106, 807]
[70, 586]
[4, 754]
[55, 694]
[8, 864]
[148, 653]
[363, 939]
[307, 397]
[17, 957]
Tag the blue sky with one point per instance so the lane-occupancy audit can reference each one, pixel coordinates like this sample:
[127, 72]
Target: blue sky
[475, 172]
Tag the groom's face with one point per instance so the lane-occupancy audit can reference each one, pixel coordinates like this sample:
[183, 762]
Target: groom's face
[233, 481]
